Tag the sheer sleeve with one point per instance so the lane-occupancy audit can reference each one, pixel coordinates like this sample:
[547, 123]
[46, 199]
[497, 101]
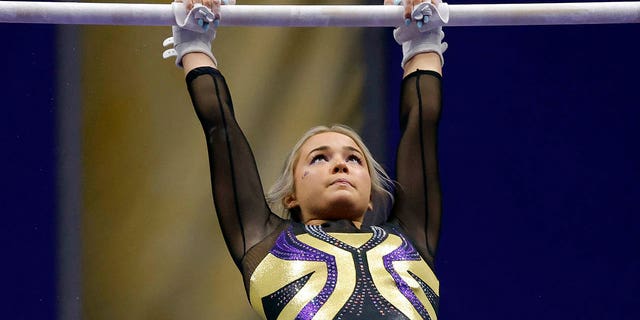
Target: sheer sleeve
[244, 216]
[418, 206]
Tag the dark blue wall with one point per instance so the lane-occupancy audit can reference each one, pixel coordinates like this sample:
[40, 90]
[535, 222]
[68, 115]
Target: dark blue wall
[27, 204]
[540, 165]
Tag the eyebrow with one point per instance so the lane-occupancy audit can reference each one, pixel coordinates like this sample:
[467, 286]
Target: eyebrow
[324, 148]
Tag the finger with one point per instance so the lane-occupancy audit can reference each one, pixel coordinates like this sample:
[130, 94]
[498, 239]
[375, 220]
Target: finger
[216, 11]
[408, 7]
[215, 6]
[192, 3]
[188, 4]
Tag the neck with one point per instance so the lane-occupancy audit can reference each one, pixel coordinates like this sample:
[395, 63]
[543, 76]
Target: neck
[314, 222]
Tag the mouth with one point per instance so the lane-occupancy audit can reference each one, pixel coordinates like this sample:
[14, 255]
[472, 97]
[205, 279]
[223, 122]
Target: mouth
[341, 182]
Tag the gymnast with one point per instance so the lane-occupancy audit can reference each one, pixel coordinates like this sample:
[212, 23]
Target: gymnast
[327, 253]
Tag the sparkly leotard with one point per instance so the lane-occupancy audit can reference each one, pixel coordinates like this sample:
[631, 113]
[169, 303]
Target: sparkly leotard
[383, 270]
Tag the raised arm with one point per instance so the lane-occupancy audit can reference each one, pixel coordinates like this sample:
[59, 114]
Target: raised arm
[418, 206]
[244, 216]
[418, 200]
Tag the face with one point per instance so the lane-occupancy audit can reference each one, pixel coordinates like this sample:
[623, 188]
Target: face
[331, 179]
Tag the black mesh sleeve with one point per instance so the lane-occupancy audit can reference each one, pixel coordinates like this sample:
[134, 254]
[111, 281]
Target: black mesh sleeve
[418, 205]
[244, 216]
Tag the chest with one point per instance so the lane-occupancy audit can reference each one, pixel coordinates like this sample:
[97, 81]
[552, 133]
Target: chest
[319, 275]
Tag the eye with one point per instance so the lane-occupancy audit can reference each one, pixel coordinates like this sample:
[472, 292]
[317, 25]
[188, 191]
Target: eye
[318, 158]
[354, 158]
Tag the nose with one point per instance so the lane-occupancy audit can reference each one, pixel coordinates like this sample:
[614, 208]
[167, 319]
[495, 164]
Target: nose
[340, 166]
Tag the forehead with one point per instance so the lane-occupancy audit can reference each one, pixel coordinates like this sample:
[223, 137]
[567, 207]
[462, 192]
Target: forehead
[333, 140]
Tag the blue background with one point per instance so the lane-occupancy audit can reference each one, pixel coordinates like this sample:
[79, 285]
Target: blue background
[28, 201]
[539, 163]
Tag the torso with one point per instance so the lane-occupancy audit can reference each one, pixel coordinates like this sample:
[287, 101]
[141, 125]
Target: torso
[310, 273]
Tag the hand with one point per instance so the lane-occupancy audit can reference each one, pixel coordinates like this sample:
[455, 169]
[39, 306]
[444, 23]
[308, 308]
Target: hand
[213, 5]
[426, 34]
[409, 6]
[196, 21]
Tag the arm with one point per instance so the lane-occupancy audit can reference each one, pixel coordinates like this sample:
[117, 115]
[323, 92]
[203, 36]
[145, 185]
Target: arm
[423, 61]
[418, 205]
[418, 200]
[195, 60]
[244, 216]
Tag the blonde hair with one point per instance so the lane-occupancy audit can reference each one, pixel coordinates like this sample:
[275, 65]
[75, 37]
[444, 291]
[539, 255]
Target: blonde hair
[284, 186]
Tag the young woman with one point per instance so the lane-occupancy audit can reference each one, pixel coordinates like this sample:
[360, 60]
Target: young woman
[324, 260]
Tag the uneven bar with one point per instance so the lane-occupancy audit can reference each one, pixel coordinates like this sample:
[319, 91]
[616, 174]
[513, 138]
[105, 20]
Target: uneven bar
[321, 15]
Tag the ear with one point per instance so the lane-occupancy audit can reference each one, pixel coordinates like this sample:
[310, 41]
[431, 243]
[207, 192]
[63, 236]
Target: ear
[290, 201]
[370, 206]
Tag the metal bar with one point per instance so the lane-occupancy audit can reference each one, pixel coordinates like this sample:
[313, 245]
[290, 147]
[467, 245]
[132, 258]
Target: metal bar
[544, 14]
[321, 15]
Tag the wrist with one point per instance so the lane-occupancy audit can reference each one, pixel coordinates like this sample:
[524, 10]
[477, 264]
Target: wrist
[423, 61]
[195, 60]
